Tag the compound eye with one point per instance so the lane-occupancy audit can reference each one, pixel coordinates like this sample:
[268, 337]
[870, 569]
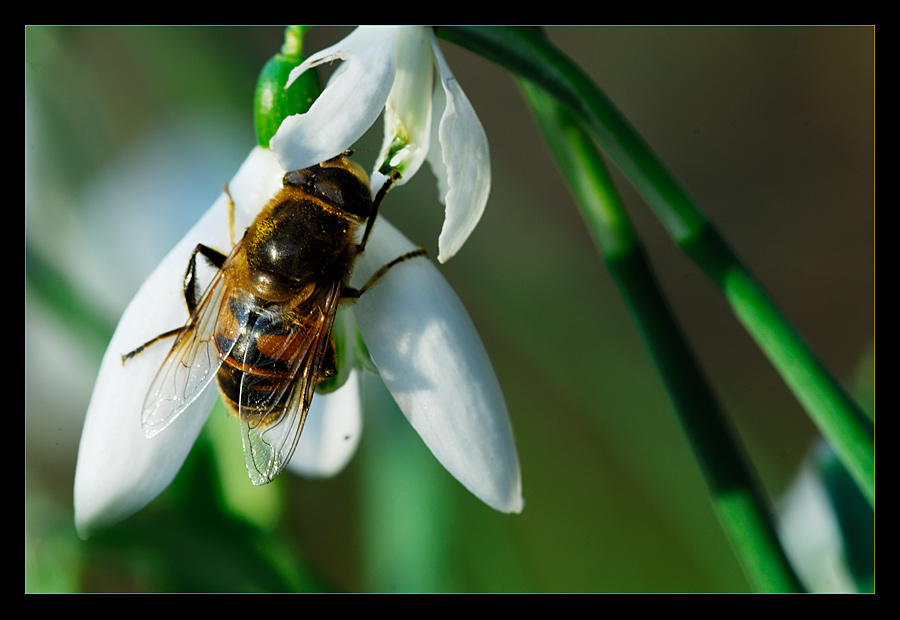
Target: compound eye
[343, 190]
[338, 186]
[300, 178]
[332, 186]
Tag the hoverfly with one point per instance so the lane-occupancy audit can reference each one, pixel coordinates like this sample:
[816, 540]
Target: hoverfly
[263, 326]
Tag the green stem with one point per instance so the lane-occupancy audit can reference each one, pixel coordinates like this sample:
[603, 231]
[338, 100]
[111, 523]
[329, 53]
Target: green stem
[528, 53]
[293, 42]
[740, 506]
[272, 102]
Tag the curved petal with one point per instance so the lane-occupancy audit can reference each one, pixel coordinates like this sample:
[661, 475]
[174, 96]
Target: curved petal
[331, 434]
[348, 106]
[407, 113]
[120, 470]
[435, 366]
[466, 157]
[811, 529]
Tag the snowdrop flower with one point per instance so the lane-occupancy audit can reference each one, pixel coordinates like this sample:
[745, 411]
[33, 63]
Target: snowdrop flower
[810, 523]
[417, 332]
[401, 71]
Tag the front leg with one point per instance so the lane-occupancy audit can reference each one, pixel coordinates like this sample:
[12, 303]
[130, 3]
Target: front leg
[191, 293]
[192, 290]
[354, 293]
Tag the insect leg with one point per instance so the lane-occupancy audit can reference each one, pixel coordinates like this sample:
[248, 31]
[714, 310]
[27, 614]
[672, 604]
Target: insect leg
[149, 343]
[395, 176]
[353, 293]
[191, 289]
[191, 293]
[230, 214]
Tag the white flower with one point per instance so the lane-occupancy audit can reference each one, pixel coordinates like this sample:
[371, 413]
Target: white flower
[401, 71]
[417, 332]
[810, 529]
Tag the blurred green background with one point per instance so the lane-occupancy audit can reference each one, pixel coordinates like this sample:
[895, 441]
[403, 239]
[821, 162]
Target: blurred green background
[130, 135]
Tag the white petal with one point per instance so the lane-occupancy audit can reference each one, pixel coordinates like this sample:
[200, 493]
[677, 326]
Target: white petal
[435, 366]
[331, 434]
[120, 470]
[407, 115]
[810, 530]
[348, 106]
[464, 150]
[258, 180]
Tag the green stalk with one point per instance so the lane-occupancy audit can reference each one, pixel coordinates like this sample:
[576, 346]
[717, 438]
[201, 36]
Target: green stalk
[272, 103]
[528, 53]
[741, 508]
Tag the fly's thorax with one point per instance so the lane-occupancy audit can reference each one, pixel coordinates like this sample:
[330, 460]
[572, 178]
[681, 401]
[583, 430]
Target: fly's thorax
[298, 240]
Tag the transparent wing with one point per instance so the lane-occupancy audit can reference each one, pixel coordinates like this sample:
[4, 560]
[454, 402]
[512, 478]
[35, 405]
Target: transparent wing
[271, 431]
[194, 359]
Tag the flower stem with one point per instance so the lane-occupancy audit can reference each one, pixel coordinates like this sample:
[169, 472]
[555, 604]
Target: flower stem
[293, 42]
[528, 53]
[740, 506]
[272, 103]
